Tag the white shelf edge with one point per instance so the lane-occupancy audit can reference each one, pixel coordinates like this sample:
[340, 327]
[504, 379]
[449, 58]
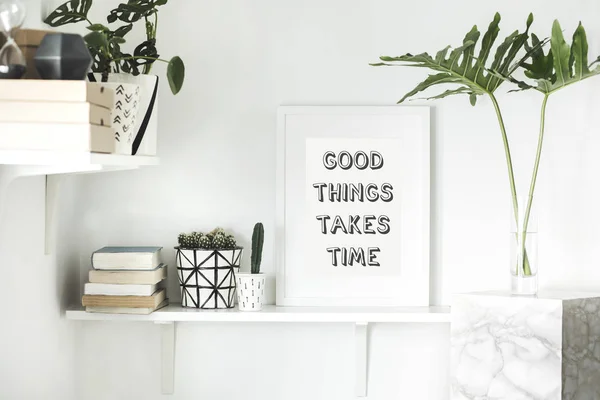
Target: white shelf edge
[64, 158]
[175, 313]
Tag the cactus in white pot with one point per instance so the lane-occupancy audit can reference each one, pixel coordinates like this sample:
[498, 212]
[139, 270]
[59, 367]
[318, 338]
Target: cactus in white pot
[206, 267]
[251, 287]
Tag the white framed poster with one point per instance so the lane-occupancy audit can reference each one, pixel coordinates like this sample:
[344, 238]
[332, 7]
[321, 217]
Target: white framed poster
[352, 224]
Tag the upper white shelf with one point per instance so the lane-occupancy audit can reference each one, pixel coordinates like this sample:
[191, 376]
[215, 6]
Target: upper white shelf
[176, 313]
[39, 162]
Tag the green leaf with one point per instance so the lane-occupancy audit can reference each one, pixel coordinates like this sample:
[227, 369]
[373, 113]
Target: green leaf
[117, 40]
[147, 50]
[564, 64]
[123, 30]
[132, 11]
[98, 28]
[561, 52]
[160, 2]
[96, 40]
[70, 12]
[579, 53]
[176, 74]
[461, 67]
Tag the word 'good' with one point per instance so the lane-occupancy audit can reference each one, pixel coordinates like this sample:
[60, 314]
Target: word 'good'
[360, 160]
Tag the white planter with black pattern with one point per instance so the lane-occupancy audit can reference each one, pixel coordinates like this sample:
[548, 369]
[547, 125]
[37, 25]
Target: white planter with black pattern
[250, 291]
[141, 136]
[207, 277]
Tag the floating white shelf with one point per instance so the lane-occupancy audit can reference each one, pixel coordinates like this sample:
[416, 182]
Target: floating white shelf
[175, 313]
[361, 317]
[39, 162]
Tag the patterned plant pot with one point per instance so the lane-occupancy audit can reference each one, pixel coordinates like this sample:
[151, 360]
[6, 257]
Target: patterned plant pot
[250, 291]
[144, 134]
[207, 277]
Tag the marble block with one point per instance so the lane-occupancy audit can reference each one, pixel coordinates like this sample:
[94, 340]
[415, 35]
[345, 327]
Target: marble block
[524, 348]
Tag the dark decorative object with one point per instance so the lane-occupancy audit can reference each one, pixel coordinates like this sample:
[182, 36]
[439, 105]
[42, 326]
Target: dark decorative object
[12, 61]
[63, 56]
[207, 277]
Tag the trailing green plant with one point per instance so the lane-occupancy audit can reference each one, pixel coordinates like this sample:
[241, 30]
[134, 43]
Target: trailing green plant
[216, 239]
[562, 66]
[104, 41]
[258, 236]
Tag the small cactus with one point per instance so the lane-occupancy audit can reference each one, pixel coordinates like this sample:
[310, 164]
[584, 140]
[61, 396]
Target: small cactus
[181, 239]
[215, 239]
[230, 242]
[258, 236]
[205, 242]
[195, 239]
[219, 242]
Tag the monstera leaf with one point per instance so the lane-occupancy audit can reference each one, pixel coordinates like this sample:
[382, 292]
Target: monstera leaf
[69, 12]
[462, 68]
[123, 30]
[562, 66]
[132, 11]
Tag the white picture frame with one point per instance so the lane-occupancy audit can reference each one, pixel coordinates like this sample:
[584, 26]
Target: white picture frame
[315, 226]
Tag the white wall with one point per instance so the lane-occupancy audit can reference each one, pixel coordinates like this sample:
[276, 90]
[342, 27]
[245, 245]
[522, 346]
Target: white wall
[37, 352]
[217, 147]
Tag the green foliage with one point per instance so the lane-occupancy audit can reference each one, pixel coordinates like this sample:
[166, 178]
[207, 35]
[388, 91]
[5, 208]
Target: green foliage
[461, 67]
[176, 74]
[104, 42]
[258, 236]
[561, 66]
[70, 12]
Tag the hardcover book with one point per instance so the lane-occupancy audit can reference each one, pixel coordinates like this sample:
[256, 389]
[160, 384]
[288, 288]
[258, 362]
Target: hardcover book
[126, 258]
[55, 90]
[54, 112]
[149, 277]
[124, 301]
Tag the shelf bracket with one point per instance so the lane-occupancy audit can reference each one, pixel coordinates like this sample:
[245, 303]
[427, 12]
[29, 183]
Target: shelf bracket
[52, 192]
[167, 356]
[361, 339]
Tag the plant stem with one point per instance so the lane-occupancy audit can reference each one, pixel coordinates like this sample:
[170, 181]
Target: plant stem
[538, 155]
[511, 175]
[145, 58]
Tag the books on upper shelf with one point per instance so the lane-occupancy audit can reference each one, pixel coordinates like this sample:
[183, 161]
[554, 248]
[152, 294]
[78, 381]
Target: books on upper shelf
[149, 277]
[32, 90]
[59, 137]
[126, 258]
[55, 115]
[55, 112]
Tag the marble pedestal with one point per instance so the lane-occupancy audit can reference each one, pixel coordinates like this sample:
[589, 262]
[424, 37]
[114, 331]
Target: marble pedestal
[523, 348]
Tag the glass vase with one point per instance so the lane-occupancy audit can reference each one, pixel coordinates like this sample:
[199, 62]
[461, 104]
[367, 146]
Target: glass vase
[523, 250]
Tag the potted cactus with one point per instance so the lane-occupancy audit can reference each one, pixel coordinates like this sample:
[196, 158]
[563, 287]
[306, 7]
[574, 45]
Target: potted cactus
[251, 287]
[206, 266]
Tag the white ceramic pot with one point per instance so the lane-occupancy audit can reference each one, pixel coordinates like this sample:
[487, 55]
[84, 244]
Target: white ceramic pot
[207, 277]
[146, 121]
[250, 291]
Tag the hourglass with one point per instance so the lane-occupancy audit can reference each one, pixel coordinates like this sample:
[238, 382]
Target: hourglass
[12, 62]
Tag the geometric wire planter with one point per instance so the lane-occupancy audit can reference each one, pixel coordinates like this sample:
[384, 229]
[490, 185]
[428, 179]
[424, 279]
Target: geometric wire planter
[207, 277]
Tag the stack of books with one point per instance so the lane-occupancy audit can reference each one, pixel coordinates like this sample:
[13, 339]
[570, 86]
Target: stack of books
[126, 280]
[56, 115]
